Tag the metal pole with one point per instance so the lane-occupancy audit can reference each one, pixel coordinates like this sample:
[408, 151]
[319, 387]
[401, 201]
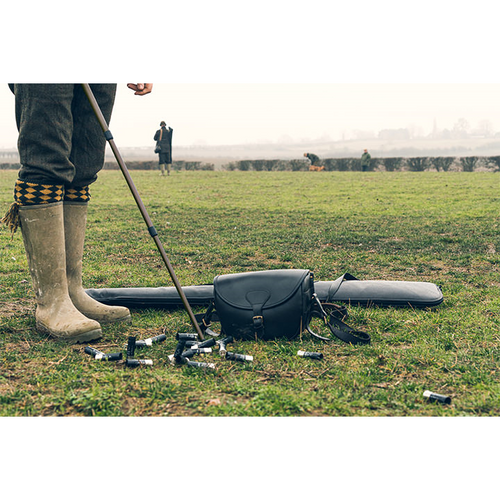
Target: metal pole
[140, 204]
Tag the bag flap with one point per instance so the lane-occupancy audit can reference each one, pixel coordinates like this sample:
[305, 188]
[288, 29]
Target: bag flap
[239, 290]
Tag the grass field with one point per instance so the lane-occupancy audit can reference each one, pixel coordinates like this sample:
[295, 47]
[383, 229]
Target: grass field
[438, 227]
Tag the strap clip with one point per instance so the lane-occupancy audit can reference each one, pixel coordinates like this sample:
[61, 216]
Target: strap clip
[258, 322]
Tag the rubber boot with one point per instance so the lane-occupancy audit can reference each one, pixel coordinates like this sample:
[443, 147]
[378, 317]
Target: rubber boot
[162, 168]
[75, 222]
[42, 227]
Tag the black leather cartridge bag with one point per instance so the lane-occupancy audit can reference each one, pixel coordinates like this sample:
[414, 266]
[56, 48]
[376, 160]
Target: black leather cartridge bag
[274, 304]
[264, 304]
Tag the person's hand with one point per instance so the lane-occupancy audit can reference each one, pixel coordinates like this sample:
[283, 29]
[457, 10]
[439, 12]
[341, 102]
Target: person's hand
[140, 88]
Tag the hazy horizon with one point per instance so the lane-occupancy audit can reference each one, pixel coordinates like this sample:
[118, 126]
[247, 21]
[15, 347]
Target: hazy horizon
[214, 114]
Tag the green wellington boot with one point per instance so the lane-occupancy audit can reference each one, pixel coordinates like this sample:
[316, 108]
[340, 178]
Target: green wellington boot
[75, 221]
[42, 227]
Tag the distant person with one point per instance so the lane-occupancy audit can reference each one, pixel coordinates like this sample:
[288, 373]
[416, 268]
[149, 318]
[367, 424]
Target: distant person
[315, 162]
[366, 160]
[163, 138]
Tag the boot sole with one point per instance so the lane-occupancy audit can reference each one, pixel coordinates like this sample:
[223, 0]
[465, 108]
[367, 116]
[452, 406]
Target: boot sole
[125, 319]
[71, 339]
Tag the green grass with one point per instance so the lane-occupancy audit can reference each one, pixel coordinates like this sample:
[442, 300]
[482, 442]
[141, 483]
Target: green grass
[438, 227]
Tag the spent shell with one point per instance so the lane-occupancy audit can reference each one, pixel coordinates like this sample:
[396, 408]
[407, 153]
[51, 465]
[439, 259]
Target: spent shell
[209, 331]
[196, 364]
[92, 351]
[176, 361]
[225, 341]
[187, 336]
[207, 343]
[222, 345]
[149, 342]
[179, 349]
[432, 396]
[191, 352]
[238, 357]
[312, 355]
[115, 356]
[138, 362]
[131, 347]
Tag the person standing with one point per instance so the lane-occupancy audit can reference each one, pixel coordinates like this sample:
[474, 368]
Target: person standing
[61, 148]
[163, 138]
[365, 161]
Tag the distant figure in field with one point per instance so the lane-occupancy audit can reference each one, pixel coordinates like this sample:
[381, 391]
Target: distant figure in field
[163, 138]
[315, 162]
[365, 161]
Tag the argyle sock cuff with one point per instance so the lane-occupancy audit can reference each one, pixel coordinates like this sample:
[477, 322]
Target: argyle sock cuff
[30, 193]
[78, 194]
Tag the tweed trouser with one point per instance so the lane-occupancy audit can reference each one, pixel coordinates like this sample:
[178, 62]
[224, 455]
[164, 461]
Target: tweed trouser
[60, 140]
[61, 144]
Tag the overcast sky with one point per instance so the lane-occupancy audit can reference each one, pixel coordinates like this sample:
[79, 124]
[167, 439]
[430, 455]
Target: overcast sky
[238, 113]
[273, 70]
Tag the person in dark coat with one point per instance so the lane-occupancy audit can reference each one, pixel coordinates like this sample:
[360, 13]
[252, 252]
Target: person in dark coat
[315, 162]
[314, 159]
[163, 138]
[366, 161]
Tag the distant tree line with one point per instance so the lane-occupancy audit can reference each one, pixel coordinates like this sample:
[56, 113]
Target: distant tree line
[137, 165]
[411, 164]
[153, 165]
[268, 165]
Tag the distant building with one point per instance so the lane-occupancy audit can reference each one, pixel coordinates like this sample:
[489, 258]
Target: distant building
[11, 154]
[400, 134]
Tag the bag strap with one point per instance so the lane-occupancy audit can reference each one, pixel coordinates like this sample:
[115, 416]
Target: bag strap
[333, 319]
[335, 324]
[205, 320]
